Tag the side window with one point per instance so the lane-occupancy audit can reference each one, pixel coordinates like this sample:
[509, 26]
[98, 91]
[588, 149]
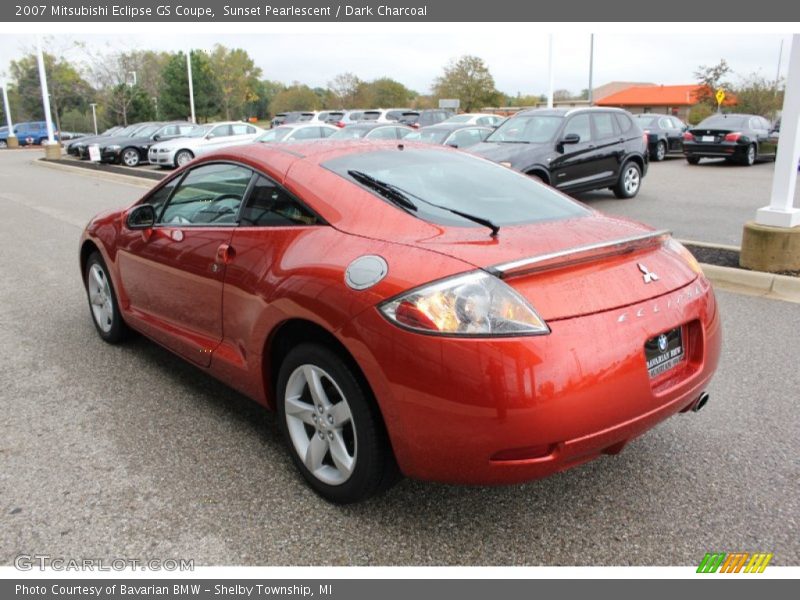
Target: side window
[306, 133]
[623, 122]
[271, 206]
[326, 132]
[184, 129]
[465, 137]
[238, 129]
[604, 125]
[159, 198]
[250, 129]
[220, 131]
[580, 125]
[383, 133]
[665, 123]
[677, 123]
[208, 195]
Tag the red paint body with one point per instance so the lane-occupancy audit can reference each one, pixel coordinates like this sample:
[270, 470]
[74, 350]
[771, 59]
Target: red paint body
[479, 411]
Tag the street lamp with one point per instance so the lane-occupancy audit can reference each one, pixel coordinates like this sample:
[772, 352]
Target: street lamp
[52, 150]
[191, 84]
[94, 115]
[11, 139]
[155, 101]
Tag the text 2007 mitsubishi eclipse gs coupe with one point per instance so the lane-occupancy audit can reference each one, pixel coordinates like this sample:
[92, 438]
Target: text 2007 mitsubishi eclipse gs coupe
[408, 308]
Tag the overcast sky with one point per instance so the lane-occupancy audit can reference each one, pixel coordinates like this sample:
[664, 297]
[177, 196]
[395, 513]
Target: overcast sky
[517, 62]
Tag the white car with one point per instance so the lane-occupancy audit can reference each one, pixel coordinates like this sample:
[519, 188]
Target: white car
[202, 140]
[294, 132]
[483, 119]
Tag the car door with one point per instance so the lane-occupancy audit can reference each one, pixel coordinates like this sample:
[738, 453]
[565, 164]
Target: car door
[172, 274]
[769, 144]
[220, 136]
[673, 132]
[573, 164]
[759, 129]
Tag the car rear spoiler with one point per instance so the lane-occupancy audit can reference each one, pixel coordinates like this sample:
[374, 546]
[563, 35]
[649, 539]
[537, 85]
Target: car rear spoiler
[579, 255]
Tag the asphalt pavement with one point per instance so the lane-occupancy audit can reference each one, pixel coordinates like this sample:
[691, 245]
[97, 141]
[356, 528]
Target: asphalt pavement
[129, 452]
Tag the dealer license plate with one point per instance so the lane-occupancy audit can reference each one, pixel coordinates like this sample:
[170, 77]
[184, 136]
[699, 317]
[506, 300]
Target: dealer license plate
[707, 138]
[664, 352]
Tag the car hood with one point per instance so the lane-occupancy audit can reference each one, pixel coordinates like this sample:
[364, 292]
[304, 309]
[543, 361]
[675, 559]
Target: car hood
[509, 152]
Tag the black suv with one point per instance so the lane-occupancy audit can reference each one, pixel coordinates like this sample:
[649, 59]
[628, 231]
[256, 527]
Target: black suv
[573, 150]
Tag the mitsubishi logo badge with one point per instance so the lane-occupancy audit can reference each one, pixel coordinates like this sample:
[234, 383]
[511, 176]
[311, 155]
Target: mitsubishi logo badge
[647, 274]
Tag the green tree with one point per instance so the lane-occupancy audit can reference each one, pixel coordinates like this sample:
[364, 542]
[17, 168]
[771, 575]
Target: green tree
[469, 80]
[237, 75]
[384, 92]
[265, 92]
[295, 97]
[345, 88]
[710, 79]
[65, 84]
[756, 95]
[175, 88]
[130, 104]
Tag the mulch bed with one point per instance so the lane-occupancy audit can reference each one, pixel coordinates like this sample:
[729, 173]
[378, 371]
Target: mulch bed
[723, 257]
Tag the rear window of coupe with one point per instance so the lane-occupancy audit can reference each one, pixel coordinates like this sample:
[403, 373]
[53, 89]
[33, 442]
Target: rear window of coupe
[439, 181]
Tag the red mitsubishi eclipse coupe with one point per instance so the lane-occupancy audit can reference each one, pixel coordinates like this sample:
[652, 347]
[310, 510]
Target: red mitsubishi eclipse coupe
[409, 308]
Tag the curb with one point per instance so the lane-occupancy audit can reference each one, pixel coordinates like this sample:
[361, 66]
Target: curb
[754, 283]
[710, 245]
[115, 177]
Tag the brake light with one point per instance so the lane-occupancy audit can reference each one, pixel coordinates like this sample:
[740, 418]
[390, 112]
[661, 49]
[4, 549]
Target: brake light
[733, 137]
[339, 123]
[688, 137]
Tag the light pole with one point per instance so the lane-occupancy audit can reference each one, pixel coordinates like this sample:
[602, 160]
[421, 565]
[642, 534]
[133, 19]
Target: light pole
[94, 115]
[134, 77]
[550, 70]
[51, 142]
[155, 101]
[191, 84]
[12, 141]
[591, 67]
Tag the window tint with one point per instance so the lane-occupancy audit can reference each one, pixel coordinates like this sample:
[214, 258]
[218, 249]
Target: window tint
[208, 195]
[394, 115]
[239, 129]
[486, 121]
[250, 129]
[270, 205]
[665, 123]
[624, 122]
[580, 125]
[306, 133]
[722, 122]
[383, 133]
[604, 125]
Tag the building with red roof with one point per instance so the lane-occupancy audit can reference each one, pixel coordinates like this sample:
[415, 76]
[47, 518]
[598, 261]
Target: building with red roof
[674, 100]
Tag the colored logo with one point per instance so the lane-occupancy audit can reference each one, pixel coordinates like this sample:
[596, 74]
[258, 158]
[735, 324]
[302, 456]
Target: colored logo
[663, 342]
[736, 562]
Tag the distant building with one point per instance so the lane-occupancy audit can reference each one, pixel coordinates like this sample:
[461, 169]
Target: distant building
[674, 100]
[613, 87]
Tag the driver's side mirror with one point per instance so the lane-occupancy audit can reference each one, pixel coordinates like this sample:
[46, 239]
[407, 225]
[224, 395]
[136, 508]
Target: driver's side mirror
[141, 217]
[571, 138]
[453, 145]
[156, 137]
[209, 136]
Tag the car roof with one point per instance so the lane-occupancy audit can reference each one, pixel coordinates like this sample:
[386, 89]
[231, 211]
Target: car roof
[566, 110]
[304, 124]
[454, 127]
[370, 125]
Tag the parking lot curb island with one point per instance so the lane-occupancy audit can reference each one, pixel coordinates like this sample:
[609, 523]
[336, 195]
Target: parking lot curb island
[769, 285]
[771, 249]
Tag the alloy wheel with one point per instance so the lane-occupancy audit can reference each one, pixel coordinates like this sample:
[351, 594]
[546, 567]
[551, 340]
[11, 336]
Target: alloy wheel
[100, 298]
[130, 157]
[320, 424]
[661, 151]
[631, 180]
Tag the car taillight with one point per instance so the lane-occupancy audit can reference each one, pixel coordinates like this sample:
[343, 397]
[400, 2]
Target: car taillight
[733, 137]
[339, 123]
[688, 137]
[475, 304]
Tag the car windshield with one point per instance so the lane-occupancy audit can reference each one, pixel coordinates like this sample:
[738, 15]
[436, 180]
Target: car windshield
[460, 182]
[648, 121]
[127, 130]
[722, 122]
[275, 135]
[428, 136]
[197, 132]
[528, 129]
[350, 133]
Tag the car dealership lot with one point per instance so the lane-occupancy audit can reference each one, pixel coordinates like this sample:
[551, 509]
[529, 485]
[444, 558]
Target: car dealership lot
[129, 452]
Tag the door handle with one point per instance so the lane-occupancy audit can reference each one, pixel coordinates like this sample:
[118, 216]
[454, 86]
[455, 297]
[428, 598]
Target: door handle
[225, 253]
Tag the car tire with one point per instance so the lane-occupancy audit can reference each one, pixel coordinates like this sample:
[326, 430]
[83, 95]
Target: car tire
[750, 156]
[693, 160]
[335, 436]
[182, 157]
[130, 157]
[660, 151]
[629, 182]
[103, 305]
[537, 178]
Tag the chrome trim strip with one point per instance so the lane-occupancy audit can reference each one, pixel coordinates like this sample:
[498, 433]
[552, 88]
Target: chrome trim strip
[579, 254]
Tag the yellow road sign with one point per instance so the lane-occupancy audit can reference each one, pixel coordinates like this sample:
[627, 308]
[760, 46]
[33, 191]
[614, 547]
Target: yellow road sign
[720, 95]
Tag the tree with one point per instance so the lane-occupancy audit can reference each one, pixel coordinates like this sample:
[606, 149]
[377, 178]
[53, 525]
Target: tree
[562, 95]
[385, 92]
[237, 75]
[65, 84]
[710, 80]
[295, 97]
[756, 95]
[130, 104]
[345, 88]
[260, 106]
[175, 88]
[469, 80]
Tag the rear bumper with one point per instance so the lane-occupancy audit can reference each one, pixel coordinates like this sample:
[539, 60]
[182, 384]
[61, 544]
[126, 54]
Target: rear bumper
[503, 411]
[716, 150]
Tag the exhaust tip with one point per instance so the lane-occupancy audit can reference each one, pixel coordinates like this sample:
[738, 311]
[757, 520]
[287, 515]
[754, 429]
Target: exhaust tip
[701, 402]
